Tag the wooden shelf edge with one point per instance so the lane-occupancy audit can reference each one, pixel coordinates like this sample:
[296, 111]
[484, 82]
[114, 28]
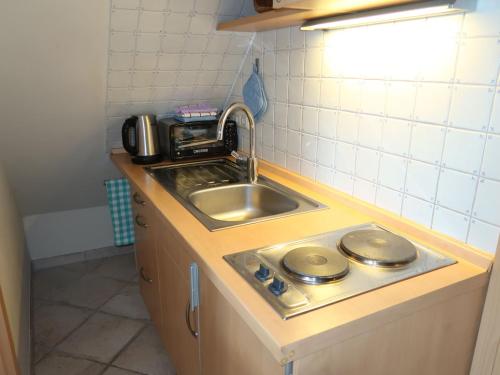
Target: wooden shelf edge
[284, 17]
[273, 19]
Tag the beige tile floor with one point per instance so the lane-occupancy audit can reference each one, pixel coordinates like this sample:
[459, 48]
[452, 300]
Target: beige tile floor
[89, 319]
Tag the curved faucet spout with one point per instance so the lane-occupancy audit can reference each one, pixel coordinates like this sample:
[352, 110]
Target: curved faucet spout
[252, 160]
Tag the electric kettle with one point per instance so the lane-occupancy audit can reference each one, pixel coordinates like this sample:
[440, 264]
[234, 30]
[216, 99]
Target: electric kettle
[142, 142]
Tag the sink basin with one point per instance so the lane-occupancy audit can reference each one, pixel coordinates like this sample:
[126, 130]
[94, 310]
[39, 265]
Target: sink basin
[216, 192]
[241, 202]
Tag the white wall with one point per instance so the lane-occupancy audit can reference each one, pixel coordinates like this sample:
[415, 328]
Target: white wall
[64, 232]
[53, 71]
[52, 106]
[404, 115]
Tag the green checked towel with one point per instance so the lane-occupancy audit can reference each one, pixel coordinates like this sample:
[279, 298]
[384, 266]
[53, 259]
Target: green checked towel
[121, 211]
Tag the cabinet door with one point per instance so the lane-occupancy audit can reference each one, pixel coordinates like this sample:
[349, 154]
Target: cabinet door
[486, 359]
[145, 226]
[179, 331]
[227, 344]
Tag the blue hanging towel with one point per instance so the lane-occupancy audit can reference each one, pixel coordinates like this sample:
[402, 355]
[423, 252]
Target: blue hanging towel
[254, 95]
[121, 211]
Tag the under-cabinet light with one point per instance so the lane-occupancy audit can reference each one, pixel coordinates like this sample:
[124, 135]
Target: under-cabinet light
[389, 14]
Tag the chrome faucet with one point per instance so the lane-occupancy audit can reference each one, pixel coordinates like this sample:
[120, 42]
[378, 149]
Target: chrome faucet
[251, 160]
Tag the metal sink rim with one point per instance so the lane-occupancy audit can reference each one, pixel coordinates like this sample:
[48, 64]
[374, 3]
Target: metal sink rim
[305, 204]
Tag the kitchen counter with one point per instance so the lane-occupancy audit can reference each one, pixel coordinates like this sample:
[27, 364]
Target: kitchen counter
[313, 331]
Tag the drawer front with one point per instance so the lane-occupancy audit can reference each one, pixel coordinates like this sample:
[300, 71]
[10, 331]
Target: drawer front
[145, 228]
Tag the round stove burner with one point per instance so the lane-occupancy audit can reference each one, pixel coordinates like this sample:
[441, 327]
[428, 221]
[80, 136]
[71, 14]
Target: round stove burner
[315, 265]
[378, 248]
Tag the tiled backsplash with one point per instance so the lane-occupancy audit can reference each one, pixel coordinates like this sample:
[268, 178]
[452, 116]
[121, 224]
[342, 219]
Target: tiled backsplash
[163, 53]
[403, 115]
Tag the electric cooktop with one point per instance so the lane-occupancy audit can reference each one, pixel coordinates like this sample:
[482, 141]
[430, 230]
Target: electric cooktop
[304, 275]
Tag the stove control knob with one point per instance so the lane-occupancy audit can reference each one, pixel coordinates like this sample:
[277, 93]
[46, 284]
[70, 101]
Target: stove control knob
[263, 273]
[278, 286]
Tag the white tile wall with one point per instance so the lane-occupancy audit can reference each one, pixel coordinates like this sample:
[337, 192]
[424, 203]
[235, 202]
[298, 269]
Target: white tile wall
[165, 53]
[404, 115]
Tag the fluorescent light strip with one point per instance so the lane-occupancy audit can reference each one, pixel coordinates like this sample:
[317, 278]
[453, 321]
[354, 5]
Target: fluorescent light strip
[422, 10]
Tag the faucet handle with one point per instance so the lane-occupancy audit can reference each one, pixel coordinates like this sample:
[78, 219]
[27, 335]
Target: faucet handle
[240, 160]
[237, 156]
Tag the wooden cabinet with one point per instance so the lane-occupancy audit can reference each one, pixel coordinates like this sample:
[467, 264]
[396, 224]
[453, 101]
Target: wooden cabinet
[486, 359]
[163, 264]
[145, 225]
[227, 344]
[211, 340]
[179, 332]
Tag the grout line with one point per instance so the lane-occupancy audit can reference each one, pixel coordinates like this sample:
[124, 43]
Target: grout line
[453, 84]
[62, 303]
[54, 347]
[108, 70]
[70, 355]
[447, 125]
[121, 368]
[481, 165]
[125, 346]
[412, 126]
[240, 69]
[93, 312]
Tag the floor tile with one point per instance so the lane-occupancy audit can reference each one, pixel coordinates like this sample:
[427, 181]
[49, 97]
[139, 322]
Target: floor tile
[146, 355]
[56, 261]
[52, 323]
[89, 291]
[48, 281]
[119, 371]
[128, 302]
[59, 364]
[121, 267]
[101, 337]
[84, 267]
[107, 252]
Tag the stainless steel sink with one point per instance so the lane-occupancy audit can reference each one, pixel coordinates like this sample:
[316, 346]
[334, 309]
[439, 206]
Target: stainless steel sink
[216, 192]
[242, 202]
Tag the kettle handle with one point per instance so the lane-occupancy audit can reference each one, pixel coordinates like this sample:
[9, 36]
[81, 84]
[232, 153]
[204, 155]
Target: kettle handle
[129, 123]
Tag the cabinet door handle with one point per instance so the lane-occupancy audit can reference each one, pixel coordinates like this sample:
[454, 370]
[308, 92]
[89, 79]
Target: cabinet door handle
[139, 220]
[137, 199]
[144, 277]
[193, 332]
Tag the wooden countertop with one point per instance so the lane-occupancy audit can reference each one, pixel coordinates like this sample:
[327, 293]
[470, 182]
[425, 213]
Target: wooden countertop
[307, 333]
